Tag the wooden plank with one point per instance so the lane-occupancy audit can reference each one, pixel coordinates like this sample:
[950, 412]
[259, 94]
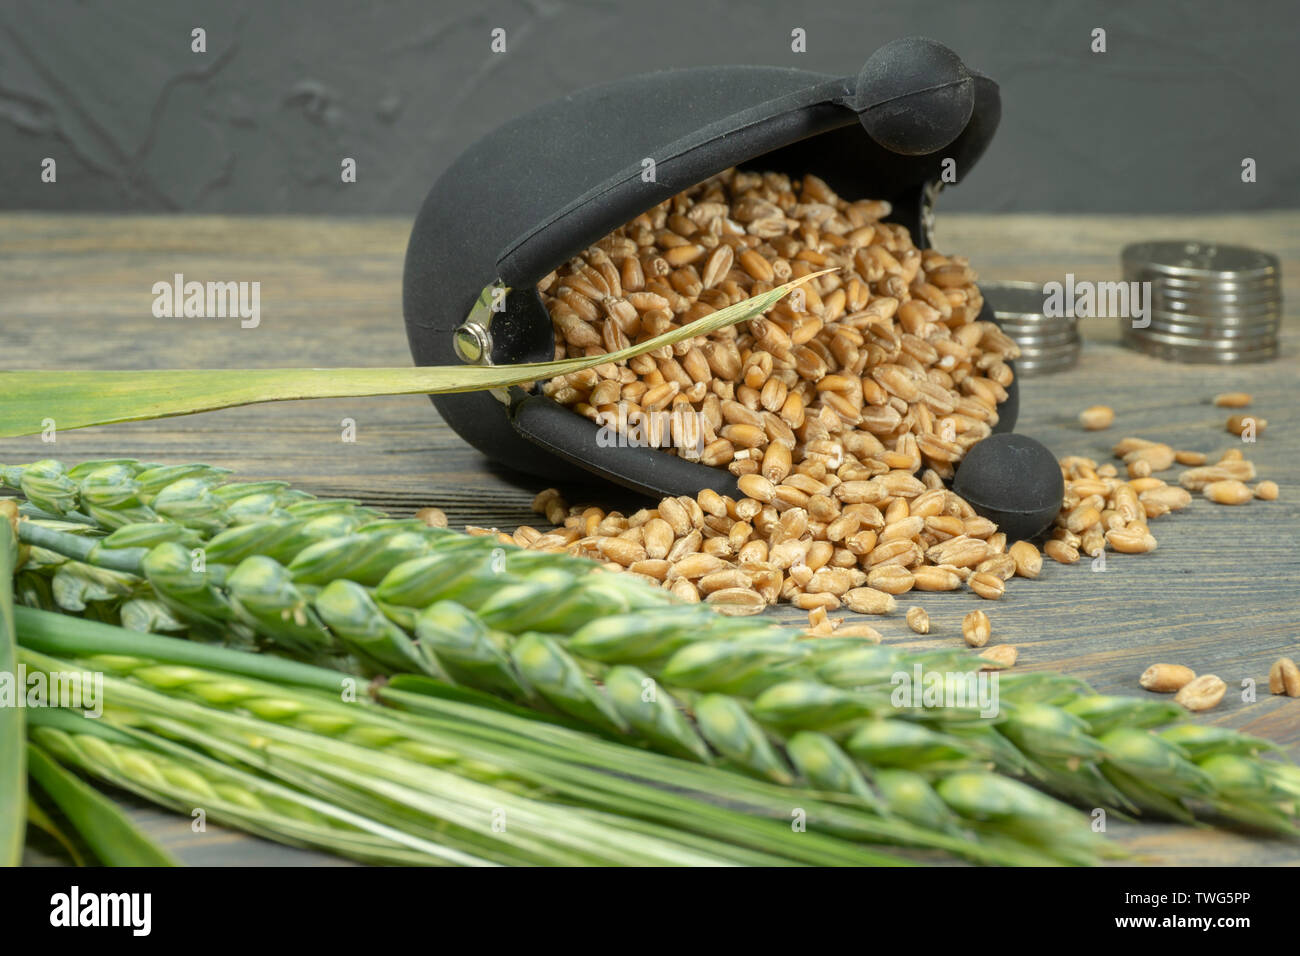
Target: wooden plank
[1219, 595]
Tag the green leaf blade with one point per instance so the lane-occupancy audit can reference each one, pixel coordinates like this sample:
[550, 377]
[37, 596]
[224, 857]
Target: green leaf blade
[38, 818]
[13, 776]
[115, 840]
[80, 399]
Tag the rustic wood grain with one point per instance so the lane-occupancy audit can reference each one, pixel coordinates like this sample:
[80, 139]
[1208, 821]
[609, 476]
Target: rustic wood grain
[1220, 594]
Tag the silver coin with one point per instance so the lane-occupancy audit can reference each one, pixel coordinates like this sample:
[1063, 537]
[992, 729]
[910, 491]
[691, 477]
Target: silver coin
[1182, 359]
[1197, 336]
[1212, 315]
[1039, 324]
[1208, 332]
[1192, 259]
[1216, 295]
[1042, 325]
[1043, 338]
[1041, 360]
[1239, 313]
[1214, 301]
[1048, 344]
[1044, 372]
[1013, 298]
[1203, 345]
[1058, 361]
[1035, 343]
[1209, 326]
[1158, 280]
[1042, 368]
[1199, 356]
[1204, 290]
[1225, 319]
[1225, 280]
[1215, 315]
[1195, 340]
[1209, 329]
[1048, 350]
[1020, 318]
[1047, 340]
[1158, 292]
[1047, 368]
[1049, 354]
[1196, 347]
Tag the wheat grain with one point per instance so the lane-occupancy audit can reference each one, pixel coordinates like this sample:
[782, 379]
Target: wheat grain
[870, 600]
[1195, 479]
[1240, 424]
[1003, 655]
[1131, 540]
[935, 578]
[1202, 693]
[975, 628]
[1166, 678]
[1157, 456]
[988, 586]
[1284, 677]
[432, 517]
[1002, 566]
[736, 601]
[1228, 492]
[1097, 417]
[1061, 551]
[891, 579]
[1233, 399]
[1029, 562]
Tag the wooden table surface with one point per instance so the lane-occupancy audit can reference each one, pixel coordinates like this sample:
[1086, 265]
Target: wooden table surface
[1220, 594]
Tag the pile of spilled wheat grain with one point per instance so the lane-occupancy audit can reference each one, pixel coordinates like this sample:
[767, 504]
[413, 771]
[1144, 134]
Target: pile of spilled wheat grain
[831, 543]
[827, 410]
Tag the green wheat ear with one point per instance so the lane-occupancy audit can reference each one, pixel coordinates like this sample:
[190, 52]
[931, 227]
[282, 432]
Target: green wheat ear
[553, 637]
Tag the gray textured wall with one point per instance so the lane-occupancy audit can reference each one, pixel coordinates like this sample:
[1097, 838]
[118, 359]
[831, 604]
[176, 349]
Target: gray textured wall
[137, 122]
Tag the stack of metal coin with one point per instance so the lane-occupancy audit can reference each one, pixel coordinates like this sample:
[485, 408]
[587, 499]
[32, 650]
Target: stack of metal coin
[1209, 303]
[1047, 344]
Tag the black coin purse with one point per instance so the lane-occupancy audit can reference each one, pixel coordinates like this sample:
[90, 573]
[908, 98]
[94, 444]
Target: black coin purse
[540, 189]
